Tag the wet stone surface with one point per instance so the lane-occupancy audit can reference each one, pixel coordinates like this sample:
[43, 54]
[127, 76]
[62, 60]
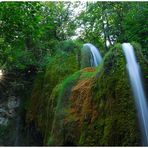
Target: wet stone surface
[8, 109]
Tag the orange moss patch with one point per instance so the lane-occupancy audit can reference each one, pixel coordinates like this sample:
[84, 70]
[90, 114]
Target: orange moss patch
[82, 108]
[88, 69]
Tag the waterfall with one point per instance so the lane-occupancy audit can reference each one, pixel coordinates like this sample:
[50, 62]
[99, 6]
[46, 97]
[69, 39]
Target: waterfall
[96, 56]
[140, 99]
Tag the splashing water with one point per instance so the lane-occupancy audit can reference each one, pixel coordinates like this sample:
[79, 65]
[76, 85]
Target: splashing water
[95, 53]
[140, 99]
[1, 74]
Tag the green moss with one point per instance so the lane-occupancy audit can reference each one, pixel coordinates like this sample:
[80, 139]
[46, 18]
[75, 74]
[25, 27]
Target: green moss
[115, 104]
[85, 57]
[86, 75]
[143, 63]
[56, 131]
[59, 67]
[105, 117]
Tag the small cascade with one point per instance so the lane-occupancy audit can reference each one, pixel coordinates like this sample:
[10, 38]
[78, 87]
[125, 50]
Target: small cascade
[140, 99]
[96, 56]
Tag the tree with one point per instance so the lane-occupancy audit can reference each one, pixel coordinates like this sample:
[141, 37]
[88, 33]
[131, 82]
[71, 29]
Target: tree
[30, 30]
[112, 22]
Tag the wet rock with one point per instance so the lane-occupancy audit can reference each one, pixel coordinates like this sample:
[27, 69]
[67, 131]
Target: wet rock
[13, 102]
[12, 113]
[8, 110]
[3, 121]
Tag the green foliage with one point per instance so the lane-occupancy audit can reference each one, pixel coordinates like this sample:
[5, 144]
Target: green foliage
[135, 24]
[37, 27]
[69, 46]
[62, 50]
[39, 34]
[114, 22]
[30, 30]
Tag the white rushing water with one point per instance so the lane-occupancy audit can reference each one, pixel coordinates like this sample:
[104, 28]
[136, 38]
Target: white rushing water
[95, 54]
[140, 99]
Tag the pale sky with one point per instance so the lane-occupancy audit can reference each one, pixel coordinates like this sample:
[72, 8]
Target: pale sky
[75, 12]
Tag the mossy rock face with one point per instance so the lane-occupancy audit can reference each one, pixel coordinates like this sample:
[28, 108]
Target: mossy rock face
[116, 122]
[60, 133]
[60, 66]
[58, 128]
[100, 109]
[143, 62]
[86, 57]
[92, 107]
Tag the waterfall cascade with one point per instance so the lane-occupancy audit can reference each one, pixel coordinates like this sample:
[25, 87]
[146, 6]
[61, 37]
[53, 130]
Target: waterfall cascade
[140, 99]
[96, 56]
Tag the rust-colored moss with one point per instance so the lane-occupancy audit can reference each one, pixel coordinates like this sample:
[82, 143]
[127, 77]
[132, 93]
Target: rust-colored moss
[81, 100]
[88, 69]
